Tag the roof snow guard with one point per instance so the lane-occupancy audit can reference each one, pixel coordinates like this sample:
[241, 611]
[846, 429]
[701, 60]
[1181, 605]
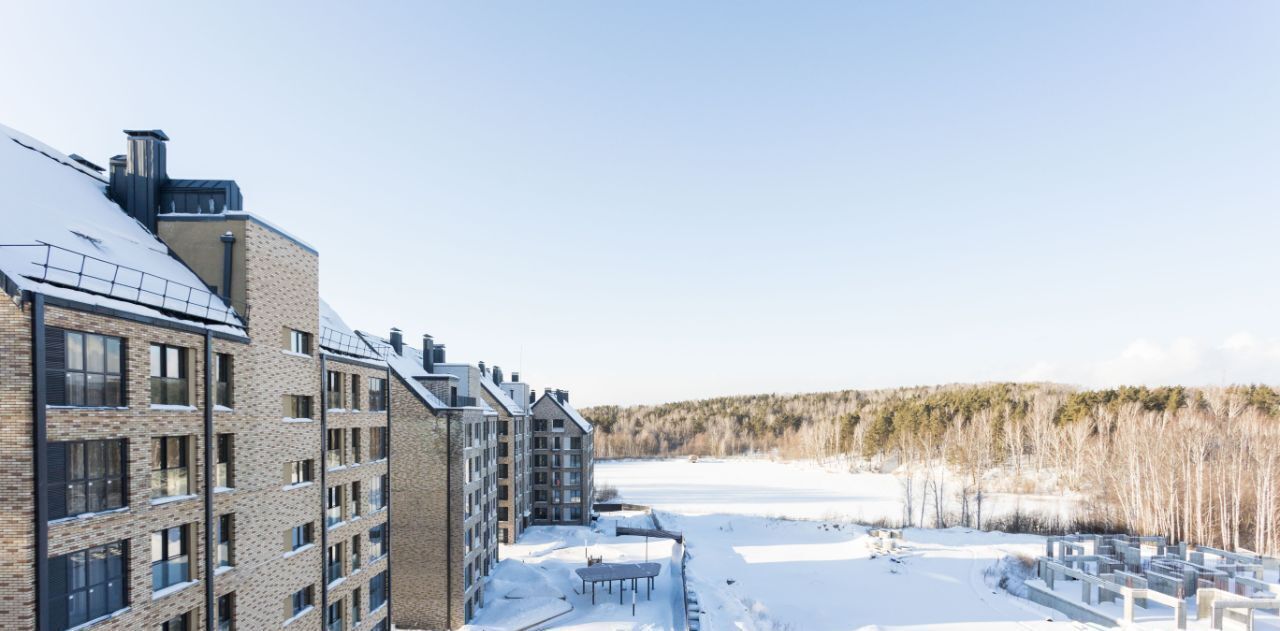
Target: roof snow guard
[65, 239]
[337, 337]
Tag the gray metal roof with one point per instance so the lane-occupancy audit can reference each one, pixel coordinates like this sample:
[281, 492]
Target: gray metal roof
[618, 571]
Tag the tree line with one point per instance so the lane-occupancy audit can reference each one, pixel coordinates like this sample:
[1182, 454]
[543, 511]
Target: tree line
[1195, 464]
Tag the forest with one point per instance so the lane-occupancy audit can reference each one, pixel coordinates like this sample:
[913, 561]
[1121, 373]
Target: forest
[1195, 464]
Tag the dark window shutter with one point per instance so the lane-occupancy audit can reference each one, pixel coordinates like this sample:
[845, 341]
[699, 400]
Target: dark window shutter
[55, 348]
[57, 461]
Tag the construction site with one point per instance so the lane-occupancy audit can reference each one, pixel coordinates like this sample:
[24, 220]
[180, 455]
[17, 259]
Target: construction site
[1125, 580]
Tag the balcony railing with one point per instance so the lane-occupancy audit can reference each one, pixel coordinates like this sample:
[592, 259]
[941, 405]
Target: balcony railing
[57, 265]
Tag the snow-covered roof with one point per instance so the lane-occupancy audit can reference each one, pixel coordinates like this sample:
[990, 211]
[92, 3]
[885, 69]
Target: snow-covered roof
[496, 392]
[61, 236]
[408, 366]
[582, 423]
[337, 337]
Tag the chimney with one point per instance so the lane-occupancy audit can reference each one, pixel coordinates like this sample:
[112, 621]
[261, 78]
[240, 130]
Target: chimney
[482, 370]
[497, 375]
[144, 173]
[228, 239]
[397, 341]
[428, 353]
[439, 354]
[533, 396]
[116, 171]
[515, 377]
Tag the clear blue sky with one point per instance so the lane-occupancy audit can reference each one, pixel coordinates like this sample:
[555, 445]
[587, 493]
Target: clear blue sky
[662, 200]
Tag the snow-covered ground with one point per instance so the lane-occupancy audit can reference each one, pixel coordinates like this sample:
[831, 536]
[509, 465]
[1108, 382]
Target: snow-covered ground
[534, 586]
[756, 486]
[775, 546]
[772, 546]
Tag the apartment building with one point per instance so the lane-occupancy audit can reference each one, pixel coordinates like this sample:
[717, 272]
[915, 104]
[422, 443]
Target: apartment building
[515, 459]
[444, 486]
[563, 462]
[211, 446]
[165, 395]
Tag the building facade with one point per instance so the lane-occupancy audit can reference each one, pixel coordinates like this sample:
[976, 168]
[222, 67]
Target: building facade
[210, 446]
[515, 460]
[563, 462]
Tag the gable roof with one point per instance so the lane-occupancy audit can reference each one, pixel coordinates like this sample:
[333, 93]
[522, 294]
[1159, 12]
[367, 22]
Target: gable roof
[407, 366]
[496, 392]
[569, 410]
[63, 237]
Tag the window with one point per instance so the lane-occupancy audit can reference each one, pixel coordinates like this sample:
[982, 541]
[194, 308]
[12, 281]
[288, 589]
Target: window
[226, 612]
[355, 392]
[169, 467]
[378, 541]
[503, 472]
[300, 471]
[303, 535]
[355, 499]
[299, 342]
[378, 493]
[335, 456]
[335, 619]
[504, 428]
[377, 443]
[503, 493]
[222, 380]
[502, 450]
[297, 406]
[301, 600]
[557, 424]
[333, 391]
[502, 513]
[84, 369]
[355, 445]
[87, 584]
[86, 477]
[333, 506]
[355, 553]
[170, 562]
[177, 623]
[333, 562]
[168, 375]
[223, 470]
[575, 442]
[377, 394]
[226, 530]
[378, 591]
[355, 605]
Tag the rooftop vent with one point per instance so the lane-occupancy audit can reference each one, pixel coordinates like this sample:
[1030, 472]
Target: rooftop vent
[497, 375]
[84, 162]
[438, 353]
[397, 341]
[515, 377]
[428, 353]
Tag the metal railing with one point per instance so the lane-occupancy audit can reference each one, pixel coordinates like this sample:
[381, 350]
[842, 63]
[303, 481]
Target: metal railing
[69, 268]
[339, 342]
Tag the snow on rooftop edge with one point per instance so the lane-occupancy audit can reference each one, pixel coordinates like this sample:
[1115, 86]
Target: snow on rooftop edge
[48, 198]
